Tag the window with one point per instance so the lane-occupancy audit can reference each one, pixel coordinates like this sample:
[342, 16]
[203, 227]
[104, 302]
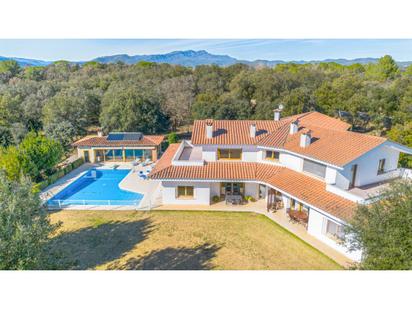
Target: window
[333, 230]
[185, 192]
[272, 155]
[381, 166]
[232, 188]
[229, 154]
[314, 168]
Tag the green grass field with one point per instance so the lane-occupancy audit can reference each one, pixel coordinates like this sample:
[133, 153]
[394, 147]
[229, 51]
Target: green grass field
[180, 240]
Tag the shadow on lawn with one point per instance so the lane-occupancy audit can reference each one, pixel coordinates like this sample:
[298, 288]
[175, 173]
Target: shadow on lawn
[182, 258]
[92, 246]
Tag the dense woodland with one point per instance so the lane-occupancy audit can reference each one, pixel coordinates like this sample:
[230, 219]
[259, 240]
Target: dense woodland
[63, 100]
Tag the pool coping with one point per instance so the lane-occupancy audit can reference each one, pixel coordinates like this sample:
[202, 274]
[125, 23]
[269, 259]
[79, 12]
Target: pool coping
[65, 181]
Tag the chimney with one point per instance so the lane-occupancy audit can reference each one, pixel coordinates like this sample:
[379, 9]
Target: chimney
[276, 114]
[253, 130]
[305, 138]
[294, 127]
[209, 128]
[100, 133]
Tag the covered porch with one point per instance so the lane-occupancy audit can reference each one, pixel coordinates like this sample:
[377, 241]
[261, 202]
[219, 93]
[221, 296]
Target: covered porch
[295, 211]
[240, 193]
[236, 193]
[118, 154]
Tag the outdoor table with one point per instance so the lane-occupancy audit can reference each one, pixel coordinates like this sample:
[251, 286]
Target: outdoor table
[234, 199]
[299, 216]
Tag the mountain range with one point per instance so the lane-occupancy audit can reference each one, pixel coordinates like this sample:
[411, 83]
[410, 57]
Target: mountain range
[193, 58]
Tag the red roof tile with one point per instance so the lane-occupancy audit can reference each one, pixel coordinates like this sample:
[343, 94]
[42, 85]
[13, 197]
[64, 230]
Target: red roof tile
[300, 186]
[97, 141]
[331, 142]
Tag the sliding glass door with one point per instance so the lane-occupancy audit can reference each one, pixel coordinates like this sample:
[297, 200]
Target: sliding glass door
[119, 155]
[232, 188]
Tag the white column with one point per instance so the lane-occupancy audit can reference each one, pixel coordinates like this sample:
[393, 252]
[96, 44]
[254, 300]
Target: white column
[286, 202]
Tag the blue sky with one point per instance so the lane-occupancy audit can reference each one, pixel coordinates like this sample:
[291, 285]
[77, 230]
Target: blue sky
[247, 49]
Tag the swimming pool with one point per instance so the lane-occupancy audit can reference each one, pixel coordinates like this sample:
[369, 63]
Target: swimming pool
[97, 187]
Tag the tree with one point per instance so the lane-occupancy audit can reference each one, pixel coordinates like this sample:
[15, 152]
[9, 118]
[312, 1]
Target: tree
[61, 132]
[233, 108]
[338, 95]
[34, 73]
[9, 108]
[75, 105]
[129, 108]
[18, 131]
[298, 101]
[172, 138]
[383, 230]
[25, 227]
[39, 155]
[402, 133]
[9, 68]
[386, 68]
[179, 97]
[205, 106]
[408, 70]
[6, 138]
[10, 162]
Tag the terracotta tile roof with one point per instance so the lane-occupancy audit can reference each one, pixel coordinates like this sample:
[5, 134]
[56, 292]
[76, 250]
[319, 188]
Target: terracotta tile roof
[166, 158]
[334, 147]
[331, 142]
[300, 186]
[313, 192]
[322, 121]
[277, 138]
[97, 141]
[236, 132]
[233, 132]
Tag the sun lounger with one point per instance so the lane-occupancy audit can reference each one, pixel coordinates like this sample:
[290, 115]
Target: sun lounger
[136, 162]
[146, 162]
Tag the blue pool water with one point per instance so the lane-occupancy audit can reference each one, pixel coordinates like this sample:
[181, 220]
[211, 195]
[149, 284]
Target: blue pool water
[103, 189]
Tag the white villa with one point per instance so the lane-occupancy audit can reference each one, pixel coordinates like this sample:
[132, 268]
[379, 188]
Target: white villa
[308, 166]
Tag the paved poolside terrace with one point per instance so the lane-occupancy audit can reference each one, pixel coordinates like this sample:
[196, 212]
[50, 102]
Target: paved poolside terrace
[132, 182]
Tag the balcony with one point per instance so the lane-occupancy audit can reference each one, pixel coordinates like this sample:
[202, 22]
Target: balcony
[368, 193]
[188, 155]
[191, 154]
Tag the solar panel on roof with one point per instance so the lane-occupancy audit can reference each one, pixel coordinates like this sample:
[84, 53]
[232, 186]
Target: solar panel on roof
[124, 136]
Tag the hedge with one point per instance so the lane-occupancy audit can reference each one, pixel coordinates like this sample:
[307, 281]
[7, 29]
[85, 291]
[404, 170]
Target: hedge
[59, 174]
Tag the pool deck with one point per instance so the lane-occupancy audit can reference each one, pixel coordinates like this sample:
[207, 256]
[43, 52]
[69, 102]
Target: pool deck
[149, 188]
[63, 182]
[132, 182]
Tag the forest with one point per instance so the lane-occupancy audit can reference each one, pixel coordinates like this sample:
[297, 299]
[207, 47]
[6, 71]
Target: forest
[63, 101]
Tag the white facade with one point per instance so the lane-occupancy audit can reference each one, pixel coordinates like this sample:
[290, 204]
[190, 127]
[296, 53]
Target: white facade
[201, 194]
[367, 167]
[336, 180]
[317, 227]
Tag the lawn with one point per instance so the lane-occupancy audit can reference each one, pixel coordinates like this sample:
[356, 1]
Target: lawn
[180, 240]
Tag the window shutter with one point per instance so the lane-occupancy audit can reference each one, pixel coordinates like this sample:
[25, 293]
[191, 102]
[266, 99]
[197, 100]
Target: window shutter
[314, 168]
